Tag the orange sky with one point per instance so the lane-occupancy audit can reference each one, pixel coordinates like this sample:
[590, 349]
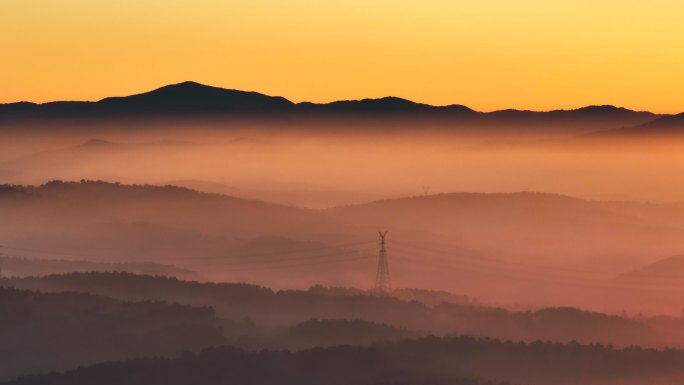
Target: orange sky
[487, 54]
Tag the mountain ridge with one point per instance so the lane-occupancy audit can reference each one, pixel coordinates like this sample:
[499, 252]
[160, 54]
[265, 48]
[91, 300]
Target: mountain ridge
[662, 125]
[195, 99]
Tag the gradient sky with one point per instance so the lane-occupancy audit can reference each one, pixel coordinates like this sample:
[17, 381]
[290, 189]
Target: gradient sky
[487, 54]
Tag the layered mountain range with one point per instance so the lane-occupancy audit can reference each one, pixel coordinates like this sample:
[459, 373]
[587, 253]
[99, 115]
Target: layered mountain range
[194, 99]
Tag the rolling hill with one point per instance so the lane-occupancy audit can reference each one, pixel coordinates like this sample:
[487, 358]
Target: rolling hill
[43, 332]
[529, 226]
[94, 201]
[89, 156]
[209, 233]
[456, 360]
[662, 126]
[270, 308]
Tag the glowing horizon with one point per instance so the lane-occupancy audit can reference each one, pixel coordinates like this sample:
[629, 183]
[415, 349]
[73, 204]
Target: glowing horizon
[487, 55]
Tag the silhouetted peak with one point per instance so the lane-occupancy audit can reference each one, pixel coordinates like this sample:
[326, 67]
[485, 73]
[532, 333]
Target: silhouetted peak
[388, 104]
[668, 121]
[594, 110]
[459, 107]
[603, 109]
[188, 88]
[511, 112]
[16, 105]
[195, 98]
[662, 125]
[17, 109]
[187, 84]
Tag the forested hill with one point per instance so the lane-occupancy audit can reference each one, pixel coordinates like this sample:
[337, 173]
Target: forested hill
[458, 361]
[42, 332]
[284, 308]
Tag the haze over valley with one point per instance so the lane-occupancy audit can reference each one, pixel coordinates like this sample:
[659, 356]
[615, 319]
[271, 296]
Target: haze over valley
[341, 192]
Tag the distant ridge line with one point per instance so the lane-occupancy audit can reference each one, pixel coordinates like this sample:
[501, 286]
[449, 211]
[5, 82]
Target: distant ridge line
[192, 96]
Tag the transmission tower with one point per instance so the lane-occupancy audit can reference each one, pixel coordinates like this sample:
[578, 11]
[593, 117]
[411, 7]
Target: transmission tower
[383, 282]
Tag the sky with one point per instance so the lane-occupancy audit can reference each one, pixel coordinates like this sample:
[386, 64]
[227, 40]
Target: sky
[487, 54]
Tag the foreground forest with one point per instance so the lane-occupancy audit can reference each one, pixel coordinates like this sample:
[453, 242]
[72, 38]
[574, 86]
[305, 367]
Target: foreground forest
[457, 360]
[431, 312]
[343, 335]
[42, 332]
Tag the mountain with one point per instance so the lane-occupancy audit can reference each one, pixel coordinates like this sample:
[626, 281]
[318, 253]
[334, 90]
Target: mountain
[594, 116]
[664, 125]
[663, 271]
[218, 236]
[182, 98]
[527, 225]
[543, 245]
[463, 242]
[386, 105]
[194, 99]
[164, 205]
[191, 97]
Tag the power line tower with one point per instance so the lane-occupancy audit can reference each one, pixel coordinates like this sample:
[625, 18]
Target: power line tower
[383, 282]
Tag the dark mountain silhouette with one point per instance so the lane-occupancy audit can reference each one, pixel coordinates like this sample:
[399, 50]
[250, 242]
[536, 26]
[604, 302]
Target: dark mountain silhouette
[601, 110]
[190, 98]
[603, 115]
[383, 105]
[194, 98]
[17, 109]
[664, 125]
[595, 111]
[182, 98]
